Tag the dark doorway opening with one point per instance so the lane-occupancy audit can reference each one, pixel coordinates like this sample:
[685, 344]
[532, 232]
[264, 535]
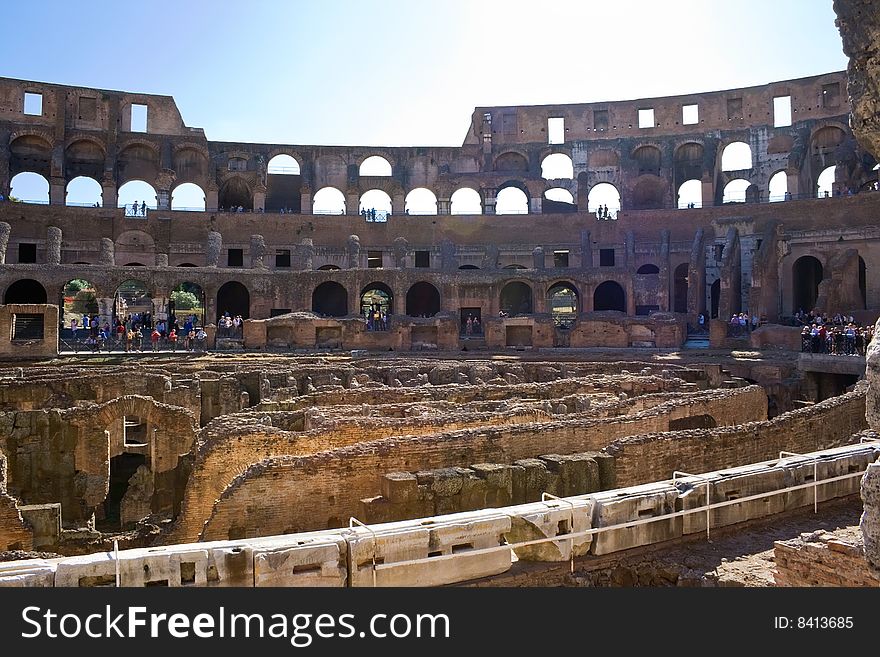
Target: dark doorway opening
[122, 468]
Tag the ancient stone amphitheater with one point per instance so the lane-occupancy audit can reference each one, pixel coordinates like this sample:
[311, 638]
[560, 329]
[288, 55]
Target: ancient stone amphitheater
[588, 433]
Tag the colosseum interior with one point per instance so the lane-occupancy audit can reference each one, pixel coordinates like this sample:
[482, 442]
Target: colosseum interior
[507, 363]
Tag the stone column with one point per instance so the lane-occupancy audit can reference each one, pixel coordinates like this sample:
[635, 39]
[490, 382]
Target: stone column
[398, 204]
[53, 245]
[444, 205]
[212, 199]
[212, 249]
[308, 253]
[352, 202]
[794, 183]
[259, 198]
[305, 201]
[108, 193]
[586, 250]
[489, 200]
[107, 255]
[258, 252]
[5, 230]
[160, 307]
[708, 194]
[57, 191]
[161, 259]
[538, 258]
[163, 199]
[105, 310]
[535, 205]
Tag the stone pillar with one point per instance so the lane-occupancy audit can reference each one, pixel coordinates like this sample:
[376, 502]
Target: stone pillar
[352, 202]
[161, 259]
[108, 193]
[5, 230]
[489, 200]
[212, 199]
[794, 183]
[258, 252]
[870, 521]
[398, 204]
[353, 247]
[160, 307]
[535, 205]
[57, 191]
[53, 245]
[259, 198]
[708, 194]
[586, 250]
[305, 201]
[308, 253]
[163, 199]
[105, 310]
[444, 205]
[538, 258]
[107, 255]
[212, 249]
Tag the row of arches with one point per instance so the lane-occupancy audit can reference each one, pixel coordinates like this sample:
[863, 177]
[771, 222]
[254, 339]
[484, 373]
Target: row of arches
[330, 299]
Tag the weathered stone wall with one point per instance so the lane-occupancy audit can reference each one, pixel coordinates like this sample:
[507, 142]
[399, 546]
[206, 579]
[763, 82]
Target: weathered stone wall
[14, 347]
[644, 458]
[820, 559]
[14, 533]
[322, 490]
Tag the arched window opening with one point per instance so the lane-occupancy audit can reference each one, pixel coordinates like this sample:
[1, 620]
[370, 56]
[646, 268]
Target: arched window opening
[735, 191]
[85, 192]
[466, 201]
[377, 305]
[690, 194]
[736, 157]
[778, 189]
[563, 303]
[375, 165]
[330, 299]
[511, 200]
[29, 187]
[328, 200]
[516, 299]
[609, 296]
[422, 300]
[421, 201]
[136, 196]
[604, 196]
[188, 196]
[807, 273]
[557, 166]
[825, 182]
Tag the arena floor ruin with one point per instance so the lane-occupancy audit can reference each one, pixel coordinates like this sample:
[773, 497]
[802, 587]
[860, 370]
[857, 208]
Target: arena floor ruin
[220, 450]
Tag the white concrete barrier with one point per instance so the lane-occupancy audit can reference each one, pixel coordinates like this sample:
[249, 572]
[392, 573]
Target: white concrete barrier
[548, 519]
[631, 504]
[460, 534]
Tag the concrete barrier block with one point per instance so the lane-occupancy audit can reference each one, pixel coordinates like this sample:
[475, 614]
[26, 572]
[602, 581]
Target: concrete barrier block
[87, 571]
[630, 504]
[459, 534]
[45, 520]
[304, 563]
[850, 459]
[231, 566]
[548, 519]
[27, 573]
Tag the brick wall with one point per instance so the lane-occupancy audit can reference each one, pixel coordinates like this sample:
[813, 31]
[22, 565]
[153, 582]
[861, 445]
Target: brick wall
[822, 560]
[323, 490]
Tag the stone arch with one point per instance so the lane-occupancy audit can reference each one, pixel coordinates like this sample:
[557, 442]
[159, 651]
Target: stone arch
[422, 299]
[806, 274]
[375, 164]
[284, 163]
[138, 159]
[84, 156]
[30, 187]
[330, 171]
[516, 298]
[235, 191]
[25, 290]
[511, 162]
[563, 300]
[648, 270]
[512, 197]
[83, 190]
[330, 299]
[133, 298]
[134, 245]
[377, 296]
[421, 200]
[188, 196]
[647, 157]
[557, 166]
[190, 164]
[30, 152]
[737, 156]
[687, 163]
[466, 200]
[610, 295]
[233, 298]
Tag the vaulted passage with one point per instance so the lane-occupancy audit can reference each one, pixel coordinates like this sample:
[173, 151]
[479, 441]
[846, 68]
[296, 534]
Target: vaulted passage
[806, 276]
[609, 296]
[330, 300]
[233, 298]
[422, 300]
[25, 290]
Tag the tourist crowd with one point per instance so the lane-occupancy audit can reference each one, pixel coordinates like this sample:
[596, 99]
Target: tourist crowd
[848, 339]
[136, 333]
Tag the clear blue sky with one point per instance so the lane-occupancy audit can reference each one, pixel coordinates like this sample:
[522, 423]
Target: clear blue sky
[400, 73]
